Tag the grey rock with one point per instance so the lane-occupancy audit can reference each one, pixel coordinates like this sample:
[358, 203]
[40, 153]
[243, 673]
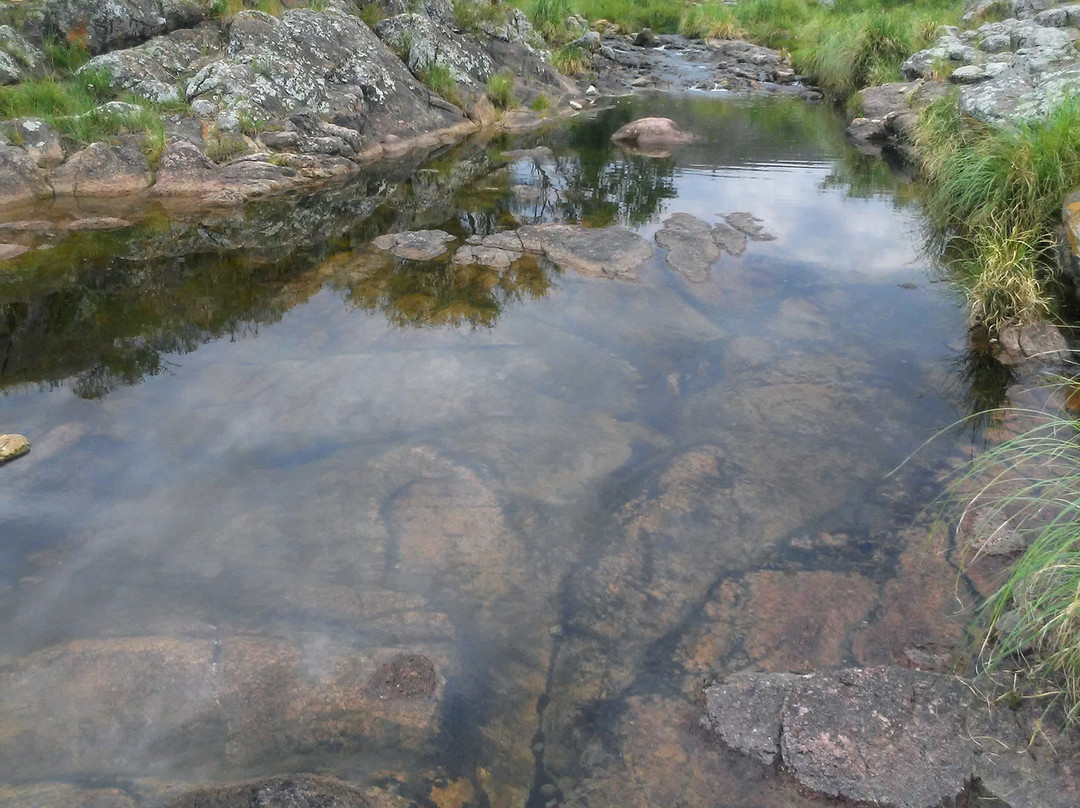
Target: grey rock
[969, 74]
[729, 239]
[13, 446]
[301, 791]
[97, 223]
[415, 245]
[480, 255]
[104, 169]
[424, 42]
[645, 38]
[886, 736]
[746, 710]
[948, 48]
[866, 129]
[325, 61]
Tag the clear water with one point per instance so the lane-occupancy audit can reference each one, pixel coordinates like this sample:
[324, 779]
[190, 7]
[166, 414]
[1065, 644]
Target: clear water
[476, 538]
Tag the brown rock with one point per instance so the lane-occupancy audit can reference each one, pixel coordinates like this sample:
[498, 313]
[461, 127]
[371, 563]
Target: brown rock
[9, 251]
[12, 446]
[20, 178]
[104, 169]
[98, 223]
[652, 131]
[61, 795]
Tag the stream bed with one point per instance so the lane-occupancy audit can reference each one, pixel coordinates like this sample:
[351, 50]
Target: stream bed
[462, 535]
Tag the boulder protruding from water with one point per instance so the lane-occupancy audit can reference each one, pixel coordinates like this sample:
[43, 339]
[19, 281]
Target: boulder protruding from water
[652, 132]
[13, 446]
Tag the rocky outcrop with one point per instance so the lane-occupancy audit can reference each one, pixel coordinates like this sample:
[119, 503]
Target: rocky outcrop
[1013, 70]
[886, 736]
[155, 70]
[693, 245]
[118, 23]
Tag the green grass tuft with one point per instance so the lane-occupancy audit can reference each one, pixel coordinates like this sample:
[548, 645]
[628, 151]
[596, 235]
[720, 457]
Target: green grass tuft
[500, 89]
[1027, 487]
[570, 60]
[440, 80]
[999, 190]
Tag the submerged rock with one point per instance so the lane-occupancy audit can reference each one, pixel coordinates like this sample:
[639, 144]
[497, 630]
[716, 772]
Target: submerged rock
[605, 252]
[415, 245]
[652, 132]
[12, 446]
[693, 246]
[298, 791]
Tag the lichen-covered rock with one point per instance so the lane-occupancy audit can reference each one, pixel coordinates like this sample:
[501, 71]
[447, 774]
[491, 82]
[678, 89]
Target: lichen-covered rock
[948, 49]
[117, 23]
[40, 140]
[325, 61]
[154, 69]
[17, 56]
[424, 42]
[104, 169]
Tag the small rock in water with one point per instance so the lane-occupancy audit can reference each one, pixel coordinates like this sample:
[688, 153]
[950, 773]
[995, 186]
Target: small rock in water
[415, 245]
[9, 251]
[99, 223]
[751, 225]
[645, 38]
[652, 131]
[12, 446]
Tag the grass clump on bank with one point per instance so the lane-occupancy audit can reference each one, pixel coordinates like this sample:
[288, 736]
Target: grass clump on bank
[500, 89]
[997, 191]
[1027, 493]
[72, 106]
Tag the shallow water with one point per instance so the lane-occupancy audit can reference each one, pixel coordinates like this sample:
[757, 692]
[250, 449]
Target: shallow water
[477, 538]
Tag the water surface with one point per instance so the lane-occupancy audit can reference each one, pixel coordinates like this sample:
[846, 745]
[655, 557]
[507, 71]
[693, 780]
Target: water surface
[474, 537]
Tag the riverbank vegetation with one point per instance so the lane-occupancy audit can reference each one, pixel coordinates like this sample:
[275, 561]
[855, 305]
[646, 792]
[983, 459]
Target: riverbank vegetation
[843, 47]
[1025, 497]
[998, 191]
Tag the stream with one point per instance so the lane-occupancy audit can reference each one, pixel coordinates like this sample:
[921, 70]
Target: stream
[468, 536]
